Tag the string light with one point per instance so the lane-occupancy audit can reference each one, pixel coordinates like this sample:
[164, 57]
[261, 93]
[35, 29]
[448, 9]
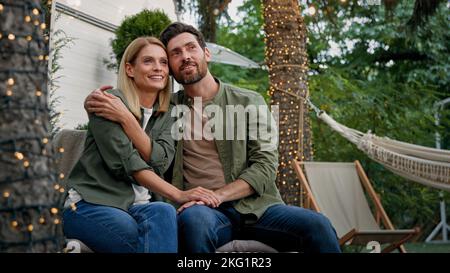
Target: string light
[26, 153]
[18, 155]
[312, 10]
[286, 58]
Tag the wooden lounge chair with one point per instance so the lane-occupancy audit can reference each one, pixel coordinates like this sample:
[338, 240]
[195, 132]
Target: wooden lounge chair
[336, 190]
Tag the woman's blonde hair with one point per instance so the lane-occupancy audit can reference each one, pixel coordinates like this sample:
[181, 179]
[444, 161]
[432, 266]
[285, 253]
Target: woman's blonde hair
[127, 84]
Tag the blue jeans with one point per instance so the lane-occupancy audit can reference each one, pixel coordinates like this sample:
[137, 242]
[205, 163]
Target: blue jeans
[285, 228]
[150, 228]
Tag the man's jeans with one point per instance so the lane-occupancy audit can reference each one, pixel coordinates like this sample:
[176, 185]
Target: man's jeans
[150, 227]
[285, 228]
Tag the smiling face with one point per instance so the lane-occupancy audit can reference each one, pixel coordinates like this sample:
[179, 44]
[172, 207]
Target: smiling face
[150, 69]
[188, 61]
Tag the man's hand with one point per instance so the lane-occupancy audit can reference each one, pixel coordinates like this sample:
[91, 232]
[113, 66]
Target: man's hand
[209, 197]
[89, 98]
[107, 106]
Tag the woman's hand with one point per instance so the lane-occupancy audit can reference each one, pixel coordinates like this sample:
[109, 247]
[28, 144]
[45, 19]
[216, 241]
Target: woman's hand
[189, 204]
[206, 196]
[107, 106]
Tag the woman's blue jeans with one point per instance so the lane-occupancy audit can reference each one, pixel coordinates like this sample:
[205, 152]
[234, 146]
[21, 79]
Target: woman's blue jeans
[285, 228]
[150, 228]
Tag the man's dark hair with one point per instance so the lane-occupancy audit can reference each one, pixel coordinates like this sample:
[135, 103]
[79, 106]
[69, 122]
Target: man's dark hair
[176, 29]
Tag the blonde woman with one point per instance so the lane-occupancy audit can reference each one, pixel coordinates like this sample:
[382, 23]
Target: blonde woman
[127, 150]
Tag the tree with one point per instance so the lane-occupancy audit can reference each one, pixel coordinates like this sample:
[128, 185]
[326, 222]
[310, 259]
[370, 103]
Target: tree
[29, 203]
[208, 13]
[361, 72]
[246, 37]
[144, 23]
[371, 72]
[287, 60]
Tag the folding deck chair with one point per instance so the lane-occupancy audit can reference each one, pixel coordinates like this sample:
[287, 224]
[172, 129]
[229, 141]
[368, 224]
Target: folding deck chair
[336, 190]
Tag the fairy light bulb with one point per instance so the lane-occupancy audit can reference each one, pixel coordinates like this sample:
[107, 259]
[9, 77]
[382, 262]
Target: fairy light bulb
[26, 164]
[54, 210]
[61, 150]
[18, 155]
[30, 228]
[6, 194]
[35, 11]
[11, 36]
[41, 220]
[27, 18]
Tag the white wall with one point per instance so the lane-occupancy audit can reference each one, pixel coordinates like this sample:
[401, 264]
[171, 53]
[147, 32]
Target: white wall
[82, 68]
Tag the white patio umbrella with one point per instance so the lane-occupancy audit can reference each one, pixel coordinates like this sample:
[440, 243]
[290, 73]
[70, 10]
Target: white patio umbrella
[221, 54]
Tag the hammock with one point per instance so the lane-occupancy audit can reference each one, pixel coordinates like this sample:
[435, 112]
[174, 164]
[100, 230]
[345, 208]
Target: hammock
[428, 166]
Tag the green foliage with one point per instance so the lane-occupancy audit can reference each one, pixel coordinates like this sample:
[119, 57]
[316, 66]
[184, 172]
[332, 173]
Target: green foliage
[247, 38]
[400, 111]
[387, 82]
[383, 77]
[60, 40]
[84, 126]
[144, 23]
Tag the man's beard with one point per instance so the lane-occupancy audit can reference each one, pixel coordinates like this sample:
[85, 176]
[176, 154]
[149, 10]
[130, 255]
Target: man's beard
[194, 77]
